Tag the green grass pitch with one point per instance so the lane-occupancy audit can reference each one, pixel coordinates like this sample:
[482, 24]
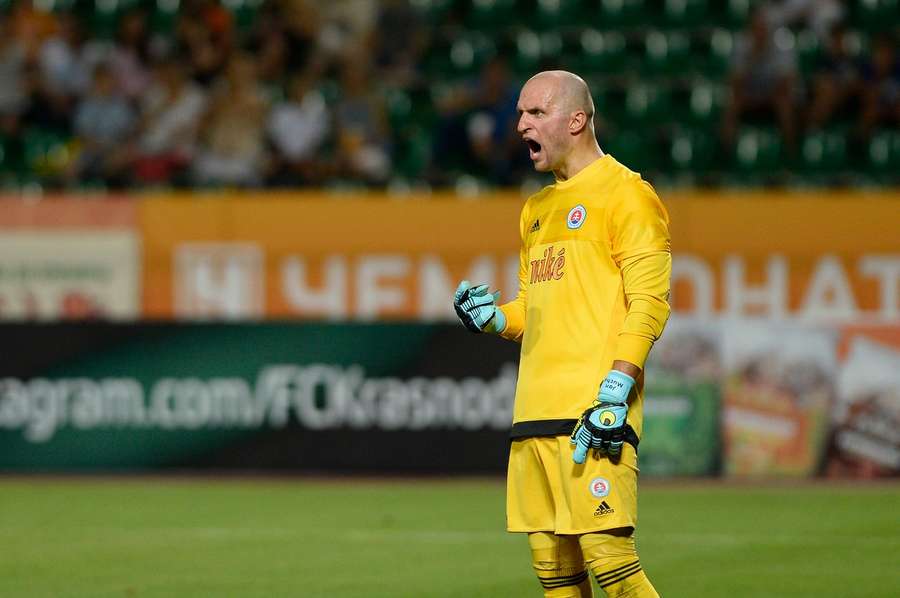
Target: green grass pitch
[158, 537]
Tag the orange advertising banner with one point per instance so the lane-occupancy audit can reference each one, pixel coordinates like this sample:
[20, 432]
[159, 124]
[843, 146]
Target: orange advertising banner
[832, 258]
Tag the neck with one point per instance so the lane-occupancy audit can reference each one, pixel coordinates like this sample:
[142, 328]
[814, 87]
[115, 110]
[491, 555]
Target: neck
[578, 160]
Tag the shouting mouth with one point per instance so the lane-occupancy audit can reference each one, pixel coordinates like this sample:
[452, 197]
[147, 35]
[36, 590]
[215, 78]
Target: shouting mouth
[534, 148]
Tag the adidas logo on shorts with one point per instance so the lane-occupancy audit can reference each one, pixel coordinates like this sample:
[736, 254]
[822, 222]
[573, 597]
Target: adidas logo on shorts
[604, 509]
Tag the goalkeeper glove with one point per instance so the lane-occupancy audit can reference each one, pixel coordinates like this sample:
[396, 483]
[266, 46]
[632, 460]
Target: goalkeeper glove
[602, 425]
[477, 309]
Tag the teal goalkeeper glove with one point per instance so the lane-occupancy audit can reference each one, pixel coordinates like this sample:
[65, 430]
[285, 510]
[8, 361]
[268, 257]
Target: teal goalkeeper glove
[477, 309]
[602, 425]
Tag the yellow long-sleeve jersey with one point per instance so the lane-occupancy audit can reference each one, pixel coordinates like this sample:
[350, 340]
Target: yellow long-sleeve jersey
[594, 273]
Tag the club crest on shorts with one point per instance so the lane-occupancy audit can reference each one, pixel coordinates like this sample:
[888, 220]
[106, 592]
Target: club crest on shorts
[599, 487]
[576, 217]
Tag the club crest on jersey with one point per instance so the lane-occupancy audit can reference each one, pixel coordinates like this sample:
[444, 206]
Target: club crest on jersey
[576, 217]
[550, 267]
[599, 487]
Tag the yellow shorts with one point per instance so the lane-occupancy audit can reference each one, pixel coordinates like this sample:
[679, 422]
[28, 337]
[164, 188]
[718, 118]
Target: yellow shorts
[548, 492]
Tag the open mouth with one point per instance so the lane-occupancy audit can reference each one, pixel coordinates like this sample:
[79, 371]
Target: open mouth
[534, 148]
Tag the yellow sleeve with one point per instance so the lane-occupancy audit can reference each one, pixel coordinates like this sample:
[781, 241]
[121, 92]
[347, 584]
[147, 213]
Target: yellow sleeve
[641, 246]
[515, 309]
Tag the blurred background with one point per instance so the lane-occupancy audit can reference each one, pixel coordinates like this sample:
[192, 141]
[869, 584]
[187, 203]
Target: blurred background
[301, 170]
[420, 94]
[230, 231]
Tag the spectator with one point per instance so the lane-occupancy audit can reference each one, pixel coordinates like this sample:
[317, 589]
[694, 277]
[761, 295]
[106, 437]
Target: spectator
[763, 81]
[345, 24]
[820, 16]
[45, 108]
[297, 128]
[13, 96]
[881, 86]
[478, 123]
[398, 41]
[171, 112]
[835, 82]
[285, 39]
[298, 37]
[60, 74]
[131, 55]
[361, 125]
[232, 148]
[204, 33]
[103, 122]
[67, 59]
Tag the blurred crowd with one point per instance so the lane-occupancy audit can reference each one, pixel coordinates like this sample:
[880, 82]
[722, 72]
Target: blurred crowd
[844, 84]
[300, 95]
[203, 102]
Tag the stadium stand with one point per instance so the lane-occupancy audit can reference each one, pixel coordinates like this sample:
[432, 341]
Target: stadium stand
[418, 93]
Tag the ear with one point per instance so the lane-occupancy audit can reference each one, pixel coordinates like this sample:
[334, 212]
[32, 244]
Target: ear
[577, 122]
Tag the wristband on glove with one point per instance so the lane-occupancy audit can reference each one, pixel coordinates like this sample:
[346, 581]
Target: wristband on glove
[602, 426]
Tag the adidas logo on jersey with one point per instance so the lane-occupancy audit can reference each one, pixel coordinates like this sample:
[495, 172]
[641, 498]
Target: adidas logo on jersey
[604, 509]
[536, 226]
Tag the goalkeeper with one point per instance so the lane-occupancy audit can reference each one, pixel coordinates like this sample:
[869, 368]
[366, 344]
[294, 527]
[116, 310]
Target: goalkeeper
[594, 273]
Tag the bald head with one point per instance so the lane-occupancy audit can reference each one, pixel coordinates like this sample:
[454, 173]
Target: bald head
[569, 91]
[556, 116]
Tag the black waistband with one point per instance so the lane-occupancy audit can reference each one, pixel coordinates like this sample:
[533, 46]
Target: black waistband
[559, 427]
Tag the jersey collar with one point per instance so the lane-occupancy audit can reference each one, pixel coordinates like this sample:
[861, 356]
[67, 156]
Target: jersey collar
[595, 166]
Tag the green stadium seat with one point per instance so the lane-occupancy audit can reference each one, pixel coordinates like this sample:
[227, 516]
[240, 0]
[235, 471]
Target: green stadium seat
[877, 15]
[551, 45]
[51, 5]
[243, 11]
[884, 154]
[528, 53]
[535, 51]
[330, 90]
[470, 52]
[491, 15]
[602, 53]
[711, 53]
[705, 103]
[693, 150]
[409, 109]
[622, 13]
[665, 53]
[758, 151]
[434, 12]
[737, 12]
[5, 153]
[103, 20]
[460, 57]
[648, 104]
[46, 153]
[399, 108]
[686, 13]
[824, 152]
[631, 148]
[808, 51]
[163, 15]
[857, 44]
[13, 155]
[555, 14]
[412, 152]
[609, 104]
